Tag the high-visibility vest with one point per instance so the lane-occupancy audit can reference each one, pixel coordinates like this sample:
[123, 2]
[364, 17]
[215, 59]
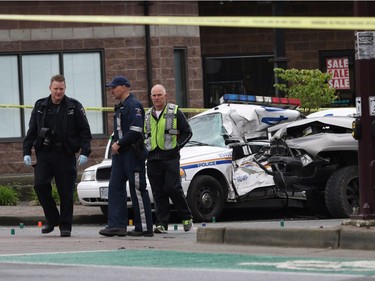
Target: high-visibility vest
[163, 132]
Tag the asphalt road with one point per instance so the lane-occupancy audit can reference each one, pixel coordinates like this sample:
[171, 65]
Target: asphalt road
[26, 254]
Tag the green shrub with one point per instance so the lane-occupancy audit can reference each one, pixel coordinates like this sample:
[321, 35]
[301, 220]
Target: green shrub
[55, 196]
[309, 85]
[8, 196]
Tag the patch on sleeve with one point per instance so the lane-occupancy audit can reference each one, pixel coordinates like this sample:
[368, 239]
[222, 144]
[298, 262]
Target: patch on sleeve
[83, 111]
[138, 112]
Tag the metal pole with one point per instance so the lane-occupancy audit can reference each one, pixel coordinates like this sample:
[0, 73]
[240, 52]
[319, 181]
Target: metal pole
[365, 87]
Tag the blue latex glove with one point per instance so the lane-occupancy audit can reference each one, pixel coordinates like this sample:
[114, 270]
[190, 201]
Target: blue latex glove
[82, 159]
[27, 160]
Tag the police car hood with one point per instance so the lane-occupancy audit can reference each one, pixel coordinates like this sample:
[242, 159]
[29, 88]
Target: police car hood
[104, 163]
[250, 121]
[197, 153]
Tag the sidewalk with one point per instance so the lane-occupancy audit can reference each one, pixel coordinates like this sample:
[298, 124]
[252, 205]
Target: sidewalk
[328, 234]
[31, 215]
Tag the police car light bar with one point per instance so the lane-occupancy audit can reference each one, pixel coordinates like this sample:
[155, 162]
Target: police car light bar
[290, 103]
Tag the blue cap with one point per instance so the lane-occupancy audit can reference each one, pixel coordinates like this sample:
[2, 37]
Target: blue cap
[119, 81]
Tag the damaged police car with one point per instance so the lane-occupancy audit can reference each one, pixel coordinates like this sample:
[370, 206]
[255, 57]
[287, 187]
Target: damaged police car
[217, 165]
[318, 155]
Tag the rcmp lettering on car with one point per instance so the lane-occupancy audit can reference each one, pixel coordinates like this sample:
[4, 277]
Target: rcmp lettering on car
[205, 164]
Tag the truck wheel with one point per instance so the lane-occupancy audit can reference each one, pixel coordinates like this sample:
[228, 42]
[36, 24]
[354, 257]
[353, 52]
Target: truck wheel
[316, 203]
[104, 209]
[342, 192]
[206, 198]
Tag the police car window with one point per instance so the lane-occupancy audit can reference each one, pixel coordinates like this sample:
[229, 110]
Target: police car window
[207, 130]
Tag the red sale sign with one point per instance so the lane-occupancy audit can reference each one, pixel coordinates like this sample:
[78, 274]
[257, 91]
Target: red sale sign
[339, 68]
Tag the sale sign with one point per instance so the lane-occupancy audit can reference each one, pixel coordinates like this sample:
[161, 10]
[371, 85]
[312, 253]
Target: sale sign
[339, 68]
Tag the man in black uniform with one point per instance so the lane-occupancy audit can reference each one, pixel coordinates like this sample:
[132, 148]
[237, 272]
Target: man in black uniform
[128, 164]
[58, 129]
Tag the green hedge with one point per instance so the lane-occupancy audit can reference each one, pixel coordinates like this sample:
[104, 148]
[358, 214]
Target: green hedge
[8, 196]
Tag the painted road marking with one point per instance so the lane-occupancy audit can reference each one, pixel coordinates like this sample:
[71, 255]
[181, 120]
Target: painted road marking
[215, 261]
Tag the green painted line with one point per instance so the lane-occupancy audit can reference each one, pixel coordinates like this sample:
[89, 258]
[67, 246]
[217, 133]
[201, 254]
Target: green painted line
[218, 261]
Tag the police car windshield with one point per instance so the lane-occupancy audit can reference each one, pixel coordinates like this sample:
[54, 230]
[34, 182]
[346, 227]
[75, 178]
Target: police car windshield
[207, 130]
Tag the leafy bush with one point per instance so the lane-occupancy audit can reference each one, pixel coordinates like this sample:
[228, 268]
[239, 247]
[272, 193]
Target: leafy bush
[55, 196]
[8, 196]
[310, 86]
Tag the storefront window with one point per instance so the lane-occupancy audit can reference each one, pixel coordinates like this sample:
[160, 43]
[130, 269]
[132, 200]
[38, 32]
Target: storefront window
[249, 75]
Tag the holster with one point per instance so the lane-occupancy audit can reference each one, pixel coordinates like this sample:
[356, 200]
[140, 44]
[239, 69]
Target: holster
[139, 149]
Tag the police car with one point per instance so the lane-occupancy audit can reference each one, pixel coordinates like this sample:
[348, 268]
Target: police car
[219, 165]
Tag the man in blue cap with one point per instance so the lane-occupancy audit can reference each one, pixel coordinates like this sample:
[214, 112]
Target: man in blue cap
[128, 164]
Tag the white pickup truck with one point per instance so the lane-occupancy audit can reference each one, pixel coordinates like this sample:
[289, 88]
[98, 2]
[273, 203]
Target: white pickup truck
[217, 165]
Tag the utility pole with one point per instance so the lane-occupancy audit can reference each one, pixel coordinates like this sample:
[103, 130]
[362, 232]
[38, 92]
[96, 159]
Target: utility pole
[365, 103]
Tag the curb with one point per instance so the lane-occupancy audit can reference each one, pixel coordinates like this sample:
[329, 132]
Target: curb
[334, 238]
[357, 239]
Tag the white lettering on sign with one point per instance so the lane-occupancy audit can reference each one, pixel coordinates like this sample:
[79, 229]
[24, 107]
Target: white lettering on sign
[358, 106]
[371, 101]
[339, 69]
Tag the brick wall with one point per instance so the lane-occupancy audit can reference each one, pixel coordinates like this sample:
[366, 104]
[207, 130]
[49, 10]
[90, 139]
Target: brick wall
[124, 45]
[302, 45]
[124, 52]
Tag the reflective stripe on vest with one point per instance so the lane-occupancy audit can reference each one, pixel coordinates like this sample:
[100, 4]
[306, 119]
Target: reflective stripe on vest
[161, 133]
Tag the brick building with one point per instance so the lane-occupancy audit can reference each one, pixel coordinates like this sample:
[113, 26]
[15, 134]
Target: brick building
[196, 64]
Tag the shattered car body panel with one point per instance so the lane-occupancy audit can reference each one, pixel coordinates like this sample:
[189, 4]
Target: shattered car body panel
[247, 121]
[237, 124]
[247, 176]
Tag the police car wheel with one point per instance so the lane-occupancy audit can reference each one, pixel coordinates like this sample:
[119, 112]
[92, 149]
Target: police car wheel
[206, 198]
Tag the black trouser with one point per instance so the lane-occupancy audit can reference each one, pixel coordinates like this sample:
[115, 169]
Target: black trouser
[126, 168]
[62, 167]
[165, 180]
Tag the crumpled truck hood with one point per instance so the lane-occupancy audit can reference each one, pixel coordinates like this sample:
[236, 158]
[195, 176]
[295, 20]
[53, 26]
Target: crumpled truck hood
[319, 142]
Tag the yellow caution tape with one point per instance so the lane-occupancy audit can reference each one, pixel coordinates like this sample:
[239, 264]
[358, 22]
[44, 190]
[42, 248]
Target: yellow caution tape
[187, 110]
[342, 23]
[338, 23]
[99, 109]
[14, 106]
[110, 109]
